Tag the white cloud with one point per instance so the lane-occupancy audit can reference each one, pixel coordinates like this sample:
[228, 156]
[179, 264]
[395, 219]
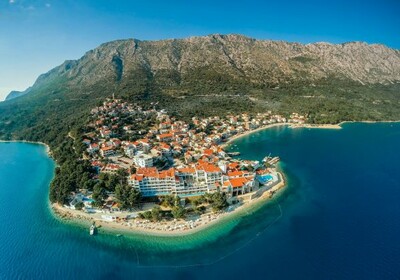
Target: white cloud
[11, 1]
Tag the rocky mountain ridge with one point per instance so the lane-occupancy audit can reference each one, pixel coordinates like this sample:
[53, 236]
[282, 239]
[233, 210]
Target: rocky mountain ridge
[260, 62]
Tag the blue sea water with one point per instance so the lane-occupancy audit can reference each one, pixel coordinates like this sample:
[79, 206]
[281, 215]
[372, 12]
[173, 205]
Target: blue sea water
[338, 218]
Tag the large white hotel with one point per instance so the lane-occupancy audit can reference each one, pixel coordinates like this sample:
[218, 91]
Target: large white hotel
[190, 181]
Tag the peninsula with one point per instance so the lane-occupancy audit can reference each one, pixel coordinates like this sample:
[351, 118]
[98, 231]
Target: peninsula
[171, 178]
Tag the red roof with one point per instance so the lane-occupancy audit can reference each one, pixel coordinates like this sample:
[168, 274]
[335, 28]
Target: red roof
[235, 173]
[208, 152]
[165, 135]
[238, 182]
[207, 167]
[107, 148]
[187, 170]
[152, 172]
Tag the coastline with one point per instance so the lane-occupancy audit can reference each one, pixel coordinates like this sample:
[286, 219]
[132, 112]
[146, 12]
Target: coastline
[238, 136]
[60, 212]
[318, 126]
[295, 125]
[48, 150]
[372, 122]
[290, 125]
[86, 219]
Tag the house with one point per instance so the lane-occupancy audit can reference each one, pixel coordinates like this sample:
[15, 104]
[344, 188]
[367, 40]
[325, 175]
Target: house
[112, 167]
[166, 137]
[105, 133]
[107, 151]
[143, 160]
[145, 145]
[93, 147]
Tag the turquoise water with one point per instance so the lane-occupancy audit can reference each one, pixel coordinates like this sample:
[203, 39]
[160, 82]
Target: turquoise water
[337, 219]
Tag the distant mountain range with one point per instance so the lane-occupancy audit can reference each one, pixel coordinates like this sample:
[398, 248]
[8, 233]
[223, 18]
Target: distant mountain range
[218, 73]
[170, 62]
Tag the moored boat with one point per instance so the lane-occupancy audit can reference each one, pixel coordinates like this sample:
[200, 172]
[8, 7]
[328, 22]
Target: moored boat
[92, 229]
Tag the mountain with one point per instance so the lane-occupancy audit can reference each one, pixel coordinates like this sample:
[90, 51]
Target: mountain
[15, 93]
[216, 74]
[169, 62]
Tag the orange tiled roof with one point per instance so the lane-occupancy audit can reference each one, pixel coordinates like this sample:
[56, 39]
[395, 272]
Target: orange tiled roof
[165, 146]
[152, 172]
[187, 170]
[147, 171]
[207, 167]
[165, 135]
[107, 148]
[238, 182]
[235, 173]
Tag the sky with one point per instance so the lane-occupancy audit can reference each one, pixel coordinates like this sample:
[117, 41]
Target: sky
[37, 35]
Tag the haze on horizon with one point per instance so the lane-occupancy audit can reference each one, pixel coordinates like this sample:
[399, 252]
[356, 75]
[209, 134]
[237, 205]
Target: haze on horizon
[38, 35]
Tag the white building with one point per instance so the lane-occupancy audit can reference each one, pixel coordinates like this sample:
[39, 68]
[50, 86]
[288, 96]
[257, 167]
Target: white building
[143, 160]
[151, 182]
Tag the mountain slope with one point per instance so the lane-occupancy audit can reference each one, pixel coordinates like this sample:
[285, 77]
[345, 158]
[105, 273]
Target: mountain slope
[15, 93]
[213, 75]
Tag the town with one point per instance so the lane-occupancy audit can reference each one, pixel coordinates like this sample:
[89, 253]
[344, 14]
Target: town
[163, 157]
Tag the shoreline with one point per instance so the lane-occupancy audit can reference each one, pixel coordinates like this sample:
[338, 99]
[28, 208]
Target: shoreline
[371, 122]
[48, 150]
[290, 125]
[296, 125]
[64, 214]
[84, 219]
[238, 136]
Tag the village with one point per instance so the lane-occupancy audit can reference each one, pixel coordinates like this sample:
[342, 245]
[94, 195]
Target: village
[163, 156]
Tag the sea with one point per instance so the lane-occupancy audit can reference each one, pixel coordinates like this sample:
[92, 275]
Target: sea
[337, 218]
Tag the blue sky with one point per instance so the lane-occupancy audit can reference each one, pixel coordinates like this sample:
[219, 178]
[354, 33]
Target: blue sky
[37, 35]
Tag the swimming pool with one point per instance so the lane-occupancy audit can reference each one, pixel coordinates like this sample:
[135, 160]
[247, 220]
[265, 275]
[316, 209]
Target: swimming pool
[265, 178]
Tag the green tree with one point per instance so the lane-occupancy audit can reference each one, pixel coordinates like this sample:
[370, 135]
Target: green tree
[218, 201]
[134, 197]
[168, 201]
[127, 196]
[79, 206]
[156, 214]
[178, 212]
[145, 215]
[99, 194]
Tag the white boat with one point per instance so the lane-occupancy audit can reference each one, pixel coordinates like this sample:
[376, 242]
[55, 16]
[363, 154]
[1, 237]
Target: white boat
[92, 229]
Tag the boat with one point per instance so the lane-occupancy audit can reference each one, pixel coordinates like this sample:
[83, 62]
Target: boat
[92, 229]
